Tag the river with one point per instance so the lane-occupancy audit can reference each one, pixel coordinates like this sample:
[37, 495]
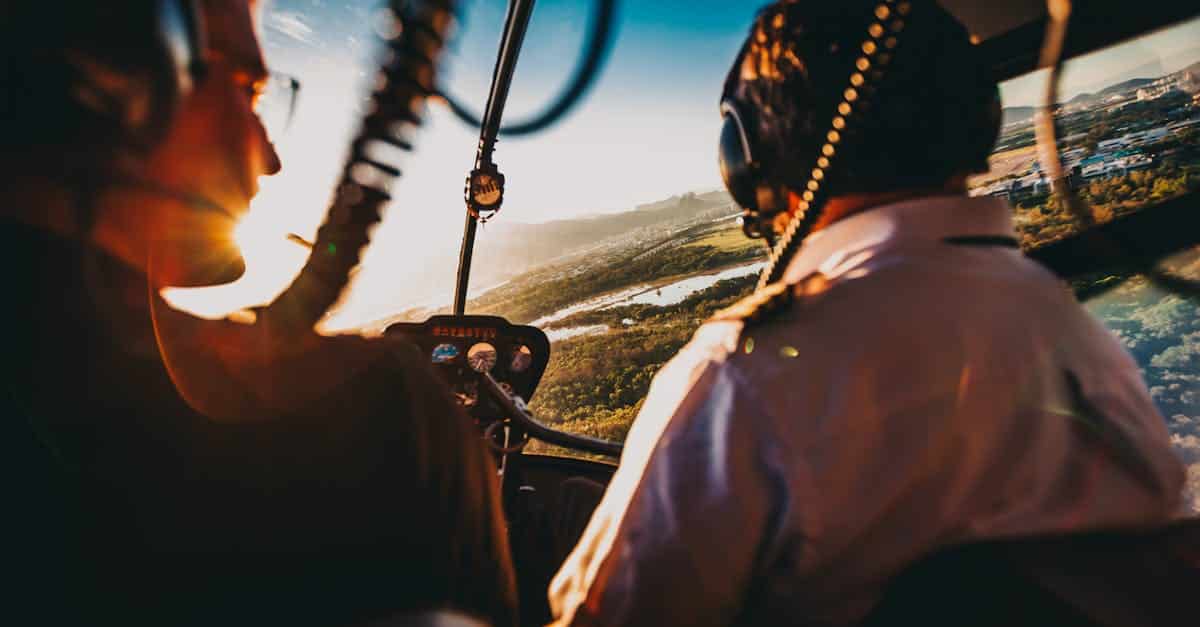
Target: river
[645, 294]
[678, 291]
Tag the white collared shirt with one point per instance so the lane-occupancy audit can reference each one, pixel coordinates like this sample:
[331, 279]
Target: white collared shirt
[932, 394]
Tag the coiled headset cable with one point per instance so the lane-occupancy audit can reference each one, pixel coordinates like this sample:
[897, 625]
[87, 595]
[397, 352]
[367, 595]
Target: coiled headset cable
[599, 44]
[406, 81]
[877, 51]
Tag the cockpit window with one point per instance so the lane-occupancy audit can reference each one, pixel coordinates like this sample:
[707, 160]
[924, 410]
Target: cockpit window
[636, 242]
[616, 237]
[1128, 132]
[1129, 139]
[1162, 331]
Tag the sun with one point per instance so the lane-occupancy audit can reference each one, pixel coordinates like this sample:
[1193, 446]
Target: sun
[273, 258]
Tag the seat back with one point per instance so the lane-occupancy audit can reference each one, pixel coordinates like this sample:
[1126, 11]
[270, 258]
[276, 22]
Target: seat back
[1097, 579]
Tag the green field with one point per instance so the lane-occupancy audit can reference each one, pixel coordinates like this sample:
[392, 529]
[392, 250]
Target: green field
[594, 385]
[729, 239]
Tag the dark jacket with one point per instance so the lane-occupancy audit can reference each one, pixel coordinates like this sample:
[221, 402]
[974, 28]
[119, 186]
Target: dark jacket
[372, 495]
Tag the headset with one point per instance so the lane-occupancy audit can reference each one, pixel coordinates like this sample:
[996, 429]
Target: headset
[762, 181]
[124, 85]
[115, 73]
[184, 38]
[742, 172]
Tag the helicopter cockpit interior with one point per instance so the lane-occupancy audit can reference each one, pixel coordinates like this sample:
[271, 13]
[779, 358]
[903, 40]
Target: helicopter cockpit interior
[592, 234]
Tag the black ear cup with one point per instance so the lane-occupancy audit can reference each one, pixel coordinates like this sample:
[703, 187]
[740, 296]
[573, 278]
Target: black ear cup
[744, 177]
[183, 39]
[736, 158]
[175, 63]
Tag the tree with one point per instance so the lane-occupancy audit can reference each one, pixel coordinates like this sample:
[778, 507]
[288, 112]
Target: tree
[1164, 188]
[1102, 214]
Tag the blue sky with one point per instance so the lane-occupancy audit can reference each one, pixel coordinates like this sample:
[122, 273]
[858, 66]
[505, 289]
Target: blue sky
[648, 126]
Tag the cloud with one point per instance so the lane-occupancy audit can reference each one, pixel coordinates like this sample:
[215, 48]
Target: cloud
[1191, 490]
[1167, 318]
[1186, 354]
[1130, 339]
[292, 25]
[1188, 447]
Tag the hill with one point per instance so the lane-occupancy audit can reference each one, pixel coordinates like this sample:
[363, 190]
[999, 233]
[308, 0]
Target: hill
[1013, 115]
[1123, 86]
[520, 246]
[1084, 99]
[504, 250]
[1128, 85]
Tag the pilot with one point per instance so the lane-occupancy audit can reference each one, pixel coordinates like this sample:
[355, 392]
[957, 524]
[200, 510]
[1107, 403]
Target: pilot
[912, 381]
[236, 478]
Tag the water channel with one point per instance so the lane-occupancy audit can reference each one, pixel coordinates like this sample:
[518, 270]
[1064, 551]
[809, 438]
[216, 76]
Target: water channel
[662, 296]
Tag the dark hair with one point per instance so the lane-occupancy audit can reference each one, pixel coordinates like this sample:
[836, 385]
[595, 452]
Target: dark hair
[50, 51]
[931, 114]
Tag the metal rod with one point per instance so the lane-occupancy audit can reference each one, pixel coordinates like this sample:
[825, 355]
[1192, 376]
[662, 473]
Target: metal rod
[515, 407]
[519, 12]
[464, 264]
[515, 26]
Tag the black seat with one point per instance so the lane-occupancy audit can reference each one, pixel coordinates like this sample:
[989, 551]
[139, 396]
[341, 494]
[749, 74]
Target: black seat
[1101, 579]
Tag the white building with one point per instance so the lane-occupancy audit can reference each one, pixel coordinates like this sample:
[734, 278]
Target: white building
[1116, 167]
[1111, 144]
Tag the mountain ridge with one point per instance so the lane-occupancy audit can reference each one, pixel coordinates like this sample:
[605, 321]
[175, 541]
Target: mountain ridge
[535, 243]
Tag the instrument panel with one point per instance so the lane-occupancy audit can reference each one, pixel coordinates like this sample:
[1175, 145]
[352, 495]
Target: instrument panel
[463, 347]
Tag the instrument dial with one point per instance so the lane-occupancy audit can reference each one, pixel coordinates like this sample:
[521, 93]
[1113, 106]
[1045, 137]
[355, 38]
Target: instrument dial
[482, 357]
[522, 358]
[445, 353]
[485, 189]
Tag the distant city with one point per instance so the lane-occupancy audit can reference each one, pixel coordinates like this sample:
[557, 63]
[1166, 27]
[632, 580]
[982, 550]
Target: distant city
[1138, 144]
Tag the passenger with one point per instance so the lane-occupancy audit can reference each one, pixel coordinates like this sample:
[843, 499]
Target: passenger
[342, 484]
[918, 384]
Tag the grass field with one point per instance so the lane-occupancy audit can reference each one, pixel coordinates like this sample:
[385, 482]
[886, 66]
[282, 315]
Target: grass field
[726, 239]
[1007, 163]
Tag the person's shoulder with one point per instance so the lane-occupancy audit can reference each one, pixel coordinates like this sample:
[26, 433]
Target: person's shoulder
[288, 372]
[812, 313]
[736, 347]
[772, 304]
[382, 363]
[822, 318]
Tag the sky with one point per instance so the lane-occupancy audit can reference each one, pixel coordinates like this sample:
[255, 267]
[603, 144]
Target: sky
[647, 130]
[644, 139]
[1150, 56]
